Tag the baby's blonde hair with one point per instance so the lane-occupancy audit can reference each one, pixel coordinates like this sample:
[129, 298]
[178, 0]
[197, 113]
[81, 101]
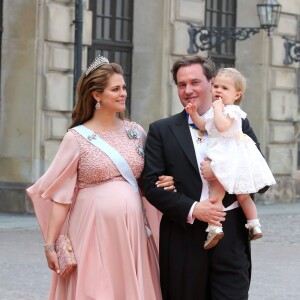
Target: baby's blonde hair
[238, 79]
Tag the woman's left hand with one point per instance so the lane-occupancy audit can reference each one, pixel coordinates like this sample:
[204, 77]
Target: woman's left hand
[166, 182]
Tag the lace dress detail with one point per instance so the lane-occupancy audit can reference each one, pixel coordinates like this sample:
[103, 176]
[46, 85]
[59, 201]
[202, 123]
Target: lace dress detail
[96, 167]
[236, 161]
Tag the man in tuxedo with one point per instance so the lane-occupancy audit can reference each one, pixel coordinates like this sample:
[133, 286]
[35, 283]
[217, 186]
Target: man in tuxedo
[174, 147]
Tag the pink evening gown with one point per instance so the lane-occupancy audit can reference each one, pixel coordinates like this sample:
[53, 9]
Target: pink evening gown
[106, 224]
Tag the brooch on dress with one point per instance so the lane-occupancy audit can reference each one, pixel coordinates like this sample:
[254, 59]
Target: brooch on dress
[92, 137]
[135, 134]
[140, 150]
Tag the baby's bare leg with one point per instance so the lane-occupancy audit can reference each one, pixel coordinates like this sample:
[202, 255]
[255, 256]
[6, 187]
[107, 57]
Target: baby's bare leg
[247, 206]
[216, 191]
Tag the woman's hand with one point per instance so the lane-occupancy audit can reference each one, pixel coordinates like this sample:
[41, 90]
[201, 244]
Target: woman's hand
[52, 260]
[167, 182]
[57, 217]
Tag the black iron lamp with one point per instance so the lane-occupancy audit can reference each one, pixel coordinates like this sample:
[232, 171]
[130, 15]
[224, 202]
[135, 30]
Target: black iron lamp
[292, 51]
[268, 14]
[206, 38]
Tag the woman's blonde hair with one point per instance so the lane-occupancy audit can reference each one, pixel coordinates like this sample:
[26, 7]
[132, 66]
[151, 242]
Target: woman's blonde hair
[96, 81]
[238, 79]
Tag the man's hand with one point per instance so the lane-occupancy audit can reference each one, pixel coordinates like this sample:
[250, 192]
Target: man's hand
[208, 211]
[206, 170]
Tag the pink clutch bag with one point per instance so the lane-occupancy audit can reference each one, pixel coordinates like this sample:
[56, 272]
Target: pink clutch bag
[65, 253]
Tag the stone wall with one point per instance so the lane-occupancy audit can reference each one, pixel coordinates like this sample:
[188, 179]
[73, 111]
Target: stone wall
[37, 84]
[37, 90]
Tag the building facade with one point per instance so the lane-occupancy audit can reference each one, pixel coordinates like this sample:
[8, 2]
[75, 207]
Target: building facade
[145, 37]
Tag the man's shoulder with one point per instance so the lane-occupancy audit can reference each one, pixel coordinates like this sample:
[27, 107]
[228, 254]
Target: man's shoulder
[245, 124]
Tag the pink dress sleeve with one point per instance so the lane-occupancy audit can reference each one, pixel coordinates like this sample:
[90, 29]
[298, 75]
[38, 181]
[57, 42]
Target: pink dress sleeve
[153, 215]
[142, 133]
[58, 183]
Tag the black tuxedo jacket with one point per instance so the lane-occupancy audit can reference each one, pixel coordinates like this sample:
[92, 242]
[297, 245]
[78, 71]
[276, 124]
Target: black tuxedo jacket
[188, 272]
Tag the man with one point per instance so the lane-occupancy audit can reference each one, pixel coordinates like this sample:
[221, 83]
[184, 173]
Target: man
[188, 272]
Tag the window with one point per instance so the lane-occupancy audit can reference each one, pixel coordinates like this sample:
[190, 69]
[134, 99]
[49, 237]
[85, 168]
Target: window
[222, 14]
[112, 35]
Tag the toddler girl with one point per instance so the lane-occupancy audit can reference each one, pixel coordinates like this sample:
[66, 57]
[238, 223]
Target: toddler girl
[236, 162]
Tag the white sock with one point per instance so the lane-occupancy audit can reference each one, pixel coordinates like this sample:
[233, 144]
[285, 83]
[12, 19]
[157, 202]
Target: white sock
[252, 223]
[211, 227]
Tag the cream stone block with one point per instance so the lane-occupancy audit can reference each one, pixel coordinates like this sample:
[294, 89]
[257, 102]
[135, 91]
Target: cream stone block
[19, 19]
[281, 133]
[50, 149]
[14, 169]
[290, 6]
[65, 1]
[282, 192]
[60, 23]
[84, 57]
[181, 38]
[59, 90]
[281, 159]
[277, 51]
[283, 106]
[190, 10]
[60, 58]
[87, 28]
[176, 105]
[57, 125]
[283, 79]
[287, 25]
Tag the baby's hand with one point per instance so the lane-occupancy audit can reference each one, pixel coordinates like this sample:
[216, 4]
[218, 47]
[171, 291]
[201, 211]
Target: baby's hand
[191, 108]
[218, 103]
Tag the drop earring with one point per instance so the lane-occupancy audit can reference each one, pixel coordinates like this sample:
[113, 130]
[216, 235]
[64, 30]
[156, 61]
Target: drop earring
[98, 105]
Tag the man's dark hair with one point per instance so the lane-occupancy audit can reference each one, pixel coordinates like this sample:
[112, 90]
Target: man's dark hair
[209, 68]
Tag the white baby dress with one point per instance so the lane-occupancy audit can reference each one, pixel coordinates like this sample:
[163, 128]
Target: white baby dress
[235, 160]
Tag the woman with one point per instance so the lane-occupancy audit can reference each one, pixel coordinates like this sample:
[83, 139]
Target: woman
[106, 224]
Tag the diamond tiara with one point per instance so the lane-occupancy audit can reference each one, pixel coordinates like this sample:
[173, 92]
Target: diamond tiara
[99, 61]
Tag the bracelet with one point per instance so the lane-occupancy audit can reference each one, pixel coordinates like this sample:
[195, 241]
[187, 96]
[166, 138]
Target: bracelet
[49, 247]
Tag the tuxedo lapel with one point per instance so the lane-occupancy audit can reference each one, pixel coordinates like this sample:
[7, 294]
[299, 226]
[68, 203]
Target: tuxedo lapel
[182, 133]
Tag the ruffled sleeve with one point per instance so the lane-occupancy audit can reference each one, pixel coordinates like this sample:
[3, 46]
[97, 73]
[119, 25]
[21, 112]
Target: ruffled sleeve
[234, 112]
[58, 183]
[142, 134]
